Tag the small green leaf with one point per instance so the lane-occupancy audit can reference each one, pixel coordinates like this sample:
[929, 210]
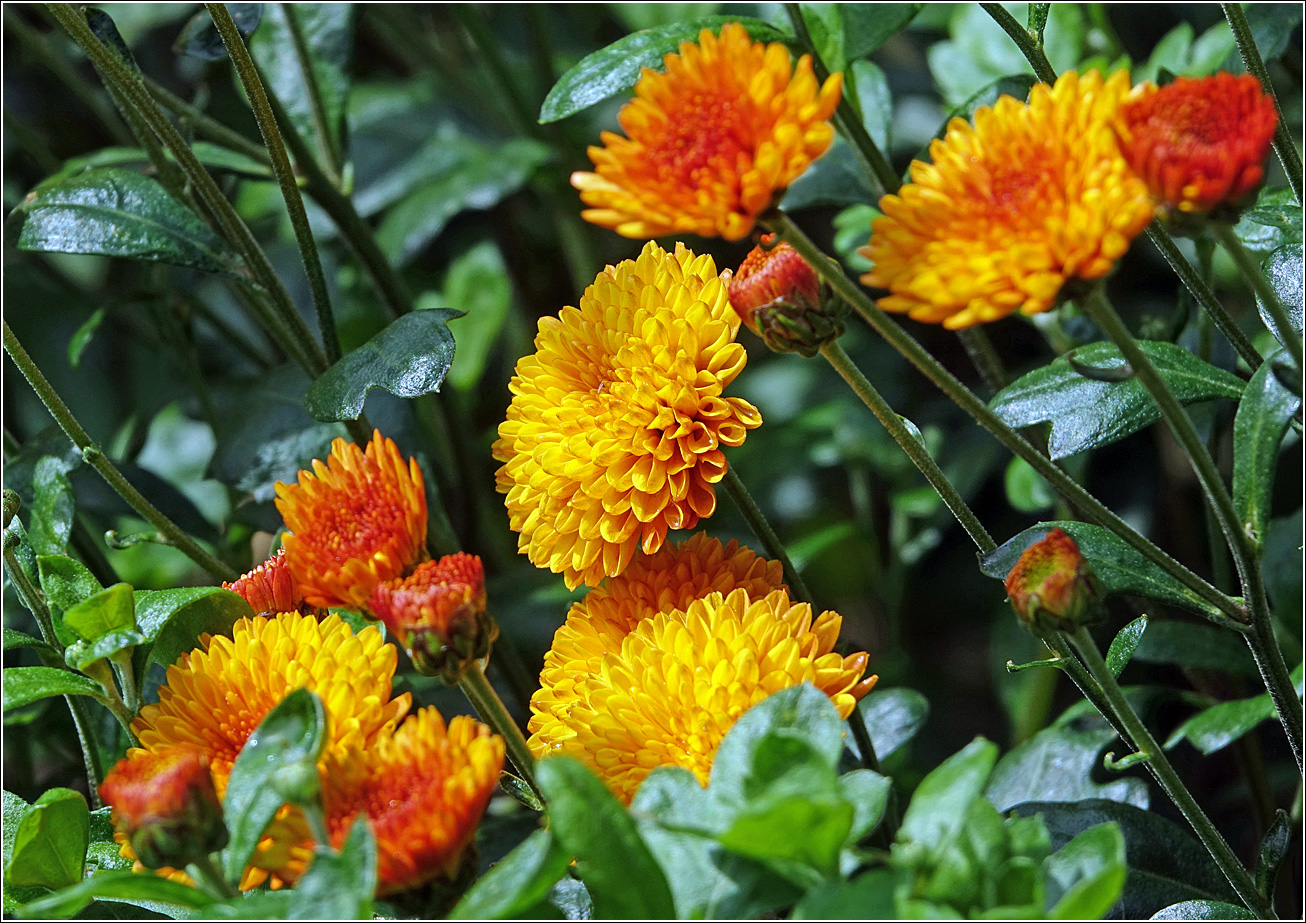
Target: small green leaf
[1194, 645]
[1058, 764]
[49, 845]
[1086, 413]
[517, 882]
[116, 885]
[1090, 871]
[200, 38]
[1274, 847]
[25, 685]
[617, 67]
[615, 864]
[801, 712]
[16, 639]
[120, 213]
[868, 792]
[477, 286]
[82, 337]
[1259, 426]
[106, 611]
[939, 805]
[893, 717]
[54, 507]
[408, 358]
[173, 620]
[1027, 491]
[216, 158]
[867, 26]
[1203, 910]
[1124, 644]
[82, 654]
[291, 736]
[1220, 725]
[340, 886]
[1283, 270]
[102, 26]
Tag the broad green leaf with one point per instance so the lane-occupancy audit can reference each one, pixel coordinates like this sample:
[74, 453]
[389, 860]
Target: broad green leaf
[825, 25]
[106, 611]
[1090, 871]
[289, 740]
[82, 338]
[1209, 51]
[25, 685]
[409, 357]
[1273, 222]
[1258, 428]
[14, 809]
[120, 213]
[200, 38]
[1203, 910]
[939, 805]
[1283, 270]
[867, 897]
[1027, 491]
[1120, 568]
[615, 864]
[49, 845]
[173, 620]
[868, 792]
[340, 886]
[1087, 412]
[801, 712]
[516, 883]
[117, 885]
[1057, 764]
[616, 68]
[1171, 53]
[1221, 724]
[65, 583]
[477, 286]
[867, 26]
[479, 178]
[1194, 645]
[1124, 644]
[893, 717]
[103, 852]
[16, 639]
[1274, 847]
[52, 512]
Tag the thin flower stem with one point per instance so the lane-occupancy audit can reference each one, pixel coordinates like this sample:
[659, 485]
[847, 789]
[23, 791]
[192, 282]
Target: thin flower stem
[1224, 611]
[1264, 291]
[838, 358]
[1283, 143]
[490, 707]
[1029, 46]
[765, 534]
[1166, 777]
[100, 462]
[285, 173]
[984, 357]
[1261, 638]
[207, 126]
[207, 874]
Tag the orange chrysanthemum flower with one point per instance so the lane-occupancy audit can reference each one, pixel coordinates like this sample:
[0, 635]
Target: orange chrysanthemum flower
[354, 522]
[1199, 143]
[1033, 196]
[617, 421]
[270, 587]
[712, 142]
[678, 681]
[423, 790]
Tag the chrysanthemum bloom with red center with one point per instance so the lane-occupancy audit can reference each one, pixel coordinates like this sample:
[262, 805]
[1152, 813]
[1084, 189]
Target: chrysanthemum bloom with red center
[1052, 586]
[423, 789]
[214, 697]
[270, 587]
[165, 805]
[778, 295]
[355, 522]
[673, 687]
[438, 614]
[1199, 143]
[617, 421]
[1014, 209]
[712, 142]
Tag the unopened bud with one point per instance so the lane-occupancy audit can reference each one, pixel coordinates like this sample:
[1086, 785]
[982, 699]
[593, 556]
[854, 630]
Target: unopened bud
[778, 296]
[1052, 586]
[270, 588]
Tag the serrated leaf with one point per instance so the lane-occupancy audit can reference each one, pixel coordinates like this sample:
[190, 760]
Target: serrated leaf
[616, 68]
[1259, 426]
[409, 357]
[49, 844]
[1086, 413]
[1203, 910]
[940, 803]
[53, 508]
[119, 213]
[1124, 644]
[517, 882]
[25, 685]
[200, 38]
[116, 885]
[1120, 568]
[1283, 270]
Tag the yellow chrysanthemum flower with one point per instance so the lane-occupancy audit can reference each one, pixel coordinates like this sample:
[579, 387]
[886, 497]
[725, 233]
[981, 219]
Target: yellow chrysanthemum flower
[617, 421]
[355, 522]
[213, 699]
[423, 790]
[712, 142]
[679, 680]
[1033, 196]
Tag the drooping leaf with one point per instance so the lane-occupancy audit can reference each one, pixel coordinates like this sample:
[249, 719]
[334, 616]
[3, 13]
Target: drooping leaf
[54, 507]
[25, 685]
[1087, 412]
[409, 357]
[1258, 429]
[340, 886]
[200, 38]
[49, 844]
[1124, 644]
[617, 67]
[1027, 490]
[120, 213]
[517, 883]
[893, 717]
[117, 885]
[173, 620]
[939, 804]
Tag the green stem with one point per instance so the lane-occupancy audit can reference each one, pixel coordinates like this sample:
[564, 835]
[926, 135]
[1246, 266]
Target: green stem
[1264, 291]
[1283, 144]
[476, 27]
[490, 707]
[317, 824]
[984, 357]
[838, 358]
[285, 173]
[1029, 45]
[207, 874]
[765, 534]
[1224, 611]
[206, 126]
[1167, 778]
[321, 126]
[97, 460]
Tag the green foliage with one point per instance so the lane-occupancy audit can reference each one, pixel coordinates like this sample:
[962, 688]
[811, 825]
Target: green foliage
[25, 685]
[49, 841]
[1216, 727]
[1258, 430]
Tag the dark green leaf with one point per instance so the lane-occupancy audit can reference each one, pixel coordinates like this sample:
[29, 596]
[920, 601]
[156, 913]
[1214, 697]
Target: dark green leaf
[340, 886]
[49, 845]
[409, 357]
[837, 178]
[1283, 270]
[173, 620]
[104, 29]
[1274, 847]
[54, 507]
[1220, 725]
[867, 897]
[82, 338]
[801, 712]
[106, 611]
[1258, 429]
[1203, 910]
[616, 68]
[867, 26]
[116, 885]
[1086, 413]
[615, 864]
[25, 685]
[517, 882]
[477, 286]
[289, 739]
[893, 717]
[1272, 25]
[200, 38]
[1090, 872]
[65, 583]
[939, 805]
[120, 213]
[1275, 221]
[1124, 644]
[1057, 764]
[16, 639]
[1194, 645]
[1120, 568]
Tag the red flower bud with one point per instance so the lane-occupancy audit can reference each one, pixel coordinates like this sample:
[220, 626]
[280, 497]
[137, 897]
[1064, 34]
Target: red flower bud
[1052, 586]
[270, 588]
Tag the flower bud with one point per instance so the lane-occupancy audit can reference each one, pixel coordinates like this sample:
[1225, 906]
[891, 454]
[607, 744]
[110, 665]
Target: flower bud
[1052, 587]
[438, 613]
[777, 294]
[165, 804]
[270, 588]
